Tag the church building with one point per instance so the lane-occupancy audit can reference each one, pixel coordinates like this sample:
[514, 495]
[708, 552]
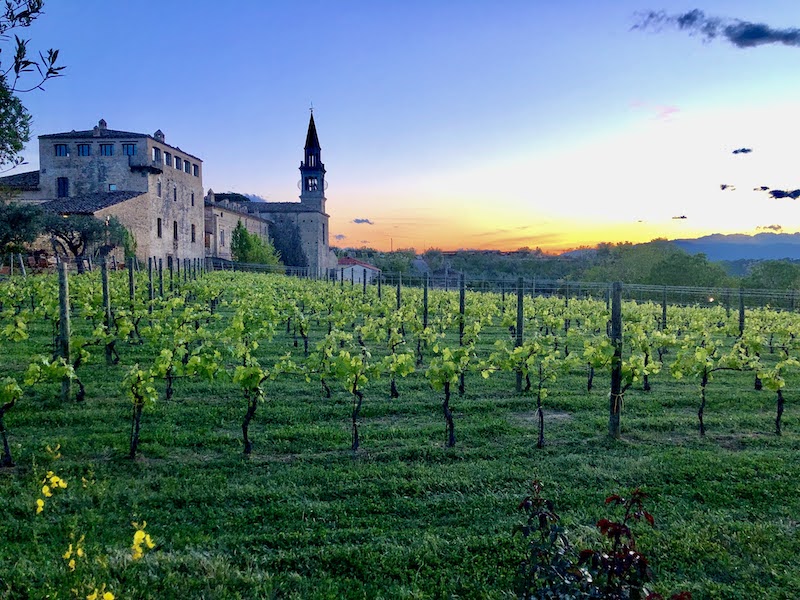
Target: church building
[309, 214]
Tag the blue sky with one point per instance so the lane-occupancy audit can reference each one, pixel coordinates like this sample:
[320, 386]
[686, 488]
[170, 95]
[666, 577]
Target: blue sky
[470, 124]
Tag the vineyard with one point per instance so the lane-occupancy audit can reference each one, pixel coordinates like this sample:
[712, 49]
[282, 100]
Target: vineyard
[284, 437]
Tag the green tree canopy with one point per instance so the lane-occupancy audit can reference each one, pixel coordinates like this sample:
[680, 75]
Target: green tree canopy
[694, 270]
[22, 75]
[84, 235]
[248, 247]
[20, 224]
[773, 275]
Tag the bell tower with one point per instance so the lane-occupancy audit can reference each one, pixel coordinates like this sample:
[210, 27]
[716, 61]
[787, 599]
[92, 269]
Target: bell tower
[312, 171]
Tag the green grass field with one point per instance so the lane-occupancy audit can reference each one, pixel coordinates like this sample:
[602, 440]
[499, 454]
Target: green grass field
[303, 517]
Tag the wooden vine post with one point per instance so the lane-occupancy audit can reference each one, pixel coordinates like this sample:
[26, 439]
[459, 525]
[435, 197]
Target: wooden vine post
[520, 321]
[364, 282]
[63, 326]
[615, 399]
[664, 310]
[131, 284]
[107, 318]
[161, 277]
[399, 285]
[151, 292]
[462, 286]
[425, 301]
[741, 312]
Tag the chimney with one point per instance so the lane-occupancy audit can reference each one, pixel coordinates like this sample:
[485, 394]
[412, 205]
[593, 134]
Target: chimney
[159, 136]
[102, 124]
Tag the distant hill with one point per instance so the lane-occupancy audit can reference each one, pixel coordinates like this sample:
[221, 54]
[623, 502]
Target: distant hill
[762, 246]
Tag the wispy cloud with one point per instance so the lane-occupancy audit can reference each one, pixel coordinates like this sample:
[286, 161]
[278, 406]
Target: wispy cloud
[742, 34]
[363, 222]
[775, 228]
[659, 112]
[743, 151]
[340, 237]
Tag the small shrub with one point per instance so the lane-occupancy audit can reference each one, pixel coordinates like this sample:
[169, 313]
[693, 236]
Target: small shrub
[615, 571]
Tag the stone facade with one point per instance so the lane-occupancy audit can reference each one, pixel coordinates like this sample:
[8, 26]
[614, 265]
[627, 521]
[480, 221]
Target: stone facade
[165, 217]
[221, 218]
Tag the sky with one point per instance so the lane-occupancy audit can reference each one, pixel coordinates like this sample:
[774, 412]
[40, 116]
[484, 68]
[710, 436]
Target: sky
[470, 124]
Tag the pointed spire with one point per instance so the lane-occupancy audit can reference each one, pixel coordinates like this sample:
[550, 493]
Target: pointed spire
[312, 141]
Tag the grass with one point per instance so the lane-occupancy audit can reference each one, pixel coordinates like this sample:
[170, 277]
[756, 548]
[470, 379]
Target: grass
[403, 518]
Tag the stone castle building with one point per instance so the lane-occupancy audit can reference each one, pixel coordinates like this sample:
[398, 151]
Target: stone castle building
[154, 189]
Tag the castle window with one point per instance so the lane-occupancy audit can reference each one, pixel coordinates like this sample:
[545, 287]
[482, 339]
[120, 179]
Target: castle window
[157, 155]
[187, 166]
[158, 227]
[112, 187]
[193, 234]
[158, 189]
[221, 237]
[178, 163]
[192, 198]
[84, 150]
[311, 184]
[62, 185]
[196, 170]
[174, 230]
[106, 149]
[62, 150]
[167, 158]
[129, 149]
[175, 194]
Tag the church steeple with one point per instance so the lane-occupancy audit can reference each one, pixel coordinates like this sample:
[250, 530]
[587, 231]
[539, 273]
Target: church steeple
[312, 171]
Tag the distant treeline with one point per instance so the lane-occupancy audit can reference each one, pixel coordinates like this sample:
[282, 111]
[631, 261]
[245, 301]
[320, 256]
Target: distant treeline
[659, 262]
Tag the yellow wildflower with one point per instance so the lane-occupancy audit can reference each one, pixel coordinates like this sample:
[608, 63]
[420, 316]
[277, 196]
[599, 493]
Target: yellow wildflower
[39, 505]
[139, 538]
[71, 553]
[100, 594]
[46, 491]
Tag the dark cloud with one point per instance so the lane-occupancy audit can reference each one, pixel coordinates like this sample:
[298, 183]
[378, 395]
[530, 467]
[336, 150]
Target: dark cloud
[340, 237]
[793, 194]
[726, 186]
[256, 198]
[763, 188]
[743, 151]
[680, 217]
[775, 228]
[363, 222]
[742, 34]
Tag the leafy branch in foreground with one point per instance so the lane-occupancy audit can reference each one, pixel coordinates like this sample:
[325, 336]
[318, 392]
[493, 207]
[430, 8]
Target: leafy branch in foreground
[615, 571]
